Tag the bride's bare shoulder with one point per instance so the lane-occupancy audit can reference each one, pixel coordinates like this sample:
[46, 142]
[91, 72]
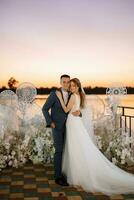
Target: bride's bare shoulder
[73, 97]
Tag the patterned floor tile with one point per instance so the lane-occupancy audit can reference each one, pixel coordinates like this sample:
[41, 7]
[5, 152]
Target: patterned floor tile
[36, 182]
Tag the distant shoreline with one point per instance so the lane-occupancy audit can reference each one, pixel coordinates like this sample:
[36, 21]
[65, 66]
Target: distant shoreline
[88, 90]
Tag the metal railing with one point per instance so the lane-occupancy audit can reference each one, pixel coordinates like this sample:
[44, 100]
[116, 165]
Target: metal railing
[126, 117]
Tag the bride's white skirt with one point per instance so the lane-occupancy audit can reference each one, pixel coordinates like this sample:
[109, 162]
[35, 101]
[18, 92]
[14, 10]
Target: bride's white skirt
[86, 166]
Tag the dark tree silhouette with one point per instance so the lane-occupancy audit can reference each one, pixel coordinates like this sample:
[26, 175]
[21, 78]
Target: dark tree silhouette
[46, 90]
[12, 83]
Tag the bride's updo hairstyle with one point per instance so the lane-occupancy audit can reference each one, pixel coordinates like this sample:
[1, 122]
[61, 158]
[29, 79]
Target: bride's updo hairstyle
[77, 82]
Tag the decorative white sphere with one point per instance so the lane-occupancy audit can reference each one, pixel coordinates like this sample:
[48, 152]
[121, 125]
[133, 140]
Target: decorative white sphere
[8, 98]
[116, 89]
[26, 92]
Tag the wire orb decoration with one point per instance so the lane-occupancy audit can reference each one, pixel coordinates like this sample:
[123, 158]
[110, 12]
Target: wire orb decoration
[8, 98]
[115, 93]
[26, 92]
[116, 89]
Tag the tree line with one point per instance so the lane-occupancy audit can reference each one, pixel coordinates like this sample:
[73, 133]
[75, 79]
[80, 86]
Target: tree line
[12, 82]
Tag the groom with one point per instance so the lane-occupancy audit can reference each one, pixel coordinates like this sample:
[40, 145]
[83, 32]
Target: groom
[57, 121]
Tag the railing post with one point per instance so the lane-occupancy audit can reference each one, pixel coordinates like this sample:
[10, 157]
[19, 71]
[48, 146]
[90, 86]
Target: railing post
[125, 123]
[120, 121]
[122, 111]
[130, 126]
[129, 117]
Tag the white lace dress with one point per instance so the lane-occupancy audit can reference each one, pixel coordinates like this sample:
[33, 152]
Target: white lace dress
[86, 166]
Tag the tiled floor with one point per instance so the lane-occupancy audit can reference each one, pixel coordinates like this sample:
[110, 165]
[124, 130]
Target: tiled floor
[35, 182]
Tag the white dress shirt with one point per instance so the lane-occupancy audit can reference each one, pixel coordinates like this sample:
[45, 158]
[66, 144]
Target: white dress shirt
[65, 95]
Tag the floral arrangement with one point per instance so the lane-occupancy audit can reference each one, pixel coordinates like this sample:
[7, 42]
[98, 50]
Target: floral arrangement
[23, 132]
[13, 151]
[41, 147]
[114, 142]
[118, 149]
[18, 148]
[25, 136]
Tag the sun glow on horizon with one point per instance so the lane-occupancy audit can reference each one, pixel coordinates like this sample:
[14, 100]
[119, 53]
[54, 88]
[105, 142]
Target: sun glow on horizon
[91, 40]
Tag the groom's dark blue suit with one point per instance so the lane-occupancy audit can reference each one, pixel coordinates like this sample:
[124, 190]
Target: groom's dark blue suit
[58, 116]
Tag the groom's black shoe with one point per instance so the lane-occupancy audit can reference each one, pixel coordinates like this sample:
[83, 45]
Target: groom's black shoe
[65, 180]
[60, 181]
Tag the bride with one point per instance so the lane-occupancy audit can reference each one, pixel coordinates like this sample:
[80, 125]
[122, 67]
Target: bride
[83, 163]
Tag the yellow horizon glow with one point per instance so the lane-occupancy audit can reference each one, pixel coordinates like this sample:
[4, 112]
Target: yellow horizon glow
[52, 83]
[40, 44]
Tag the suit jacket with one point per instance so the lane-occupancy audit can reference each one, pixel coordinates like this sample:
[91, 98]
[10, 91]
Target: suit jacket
[57, 115]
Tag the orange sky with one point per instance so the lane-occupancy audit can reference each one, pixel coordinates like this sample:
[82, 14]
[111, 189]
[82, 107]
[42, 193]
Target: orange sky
[91, 40]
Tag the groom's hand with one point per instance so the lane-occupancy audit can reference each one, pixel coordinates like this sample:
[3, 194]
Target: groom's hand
[76, 113]
[52, 125]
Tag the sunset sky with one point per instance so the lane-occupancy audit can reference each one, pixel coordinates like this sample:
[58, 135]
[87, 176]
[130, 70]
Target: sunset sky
[89, 39]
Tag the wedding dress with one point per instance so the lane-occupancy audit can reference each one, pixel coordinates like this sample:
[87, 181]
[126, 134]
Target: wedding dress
[85, 166]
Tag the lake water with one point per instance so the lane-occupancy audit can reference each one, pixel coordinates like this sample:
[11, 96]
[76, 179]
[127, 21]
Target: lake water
[128, 100]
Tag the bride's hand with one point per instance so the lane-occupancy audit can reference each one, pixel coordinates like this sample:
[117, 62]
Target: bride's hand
[58, 93]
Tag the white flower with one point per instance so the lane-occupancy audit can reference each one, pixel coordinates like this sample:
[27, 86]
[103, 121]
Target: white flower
[15, 164]
[7, 145]
[123, 161]
[110, 144]
[114, 160]
[26, 140]
[10, 163]
[5, 157]
[13, 153]
[118, 153]
[39, 143]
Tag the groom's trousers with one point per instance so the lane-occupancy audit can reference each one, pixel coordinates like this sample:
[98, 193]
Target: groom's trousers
[59, 140]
